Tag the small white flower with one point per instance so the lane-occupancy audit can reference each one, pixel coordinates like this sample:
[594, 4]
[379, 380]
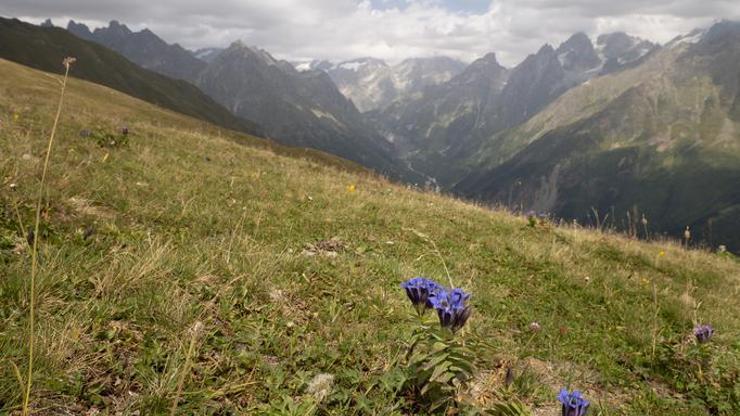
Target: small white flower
[320, 386]
[197, 327]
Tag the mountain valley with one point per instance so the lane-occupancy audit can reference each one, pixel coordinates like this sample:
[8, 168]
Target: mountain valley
[618, 127]
[549, 226]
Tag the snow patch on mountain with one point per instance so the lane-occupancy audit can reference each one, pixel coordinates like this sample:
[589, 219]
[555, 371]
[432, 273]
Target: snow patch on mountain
[352, 66]
[691, 38]
[303, 66]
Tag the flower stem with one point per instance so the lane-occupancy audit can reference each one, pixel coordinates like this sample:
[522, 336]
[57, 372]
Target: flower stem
[186, 369]
[34, 250]
[655, 317]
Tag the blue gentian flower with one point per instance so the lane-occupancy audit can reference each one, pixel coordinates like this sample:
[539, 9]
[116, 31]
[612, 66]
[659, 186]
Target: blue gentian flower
[574, 404]
[452, 308]
[703, 333]
[419, 290]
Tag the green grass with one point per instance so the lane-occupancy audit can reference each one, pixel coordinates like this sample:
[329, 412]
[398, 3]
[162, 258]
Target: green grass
[192, 224]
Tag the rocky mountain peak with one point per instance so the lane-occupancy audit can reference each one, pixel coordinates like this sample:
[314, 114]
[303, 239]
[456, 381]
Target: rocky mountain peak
[545, 60]
[114, 27]
[578, 53]
[577, 41]
[482, 72]
[489, 58]
[47, 23]
[239, 48]
[618, 44]
[722, 31]
[486, 63]
[546, 50]
[80, 30]
[620, 50]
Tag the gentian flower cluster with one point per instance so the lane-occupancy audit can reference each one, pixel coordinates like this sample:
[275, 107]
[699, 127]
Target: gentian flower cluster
[703, 333]
[451, 305]
[418, 290]
[574, 404]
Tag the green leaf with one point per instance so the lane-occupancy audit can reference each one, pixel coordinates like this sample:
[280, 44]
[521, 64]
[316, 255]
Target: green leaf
[439, 346]
[443, 378]
[513, 408]
[439, 370]
[434, 362]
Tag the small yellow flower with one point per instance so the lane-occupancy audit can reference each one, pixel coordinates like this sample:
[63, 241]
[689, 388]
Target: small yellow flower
[16, 116]
[662, 253]
[351, 188]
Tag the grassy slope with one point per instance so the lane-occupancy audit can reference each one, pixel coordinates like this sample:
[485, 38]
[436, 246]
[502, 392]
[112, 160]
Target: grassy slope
[193, 226]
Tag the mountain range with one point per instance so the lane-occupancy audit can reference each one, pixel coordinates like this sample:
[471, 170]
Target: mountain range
[659, 139]
[445, 127]
[297, 108]
[372, 84]
[588, 128]
[144, 48]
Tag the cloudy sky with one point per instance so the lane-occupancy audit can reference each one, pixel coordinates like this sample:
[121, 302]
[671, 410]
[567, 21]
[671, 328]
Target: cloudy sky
[388, 29]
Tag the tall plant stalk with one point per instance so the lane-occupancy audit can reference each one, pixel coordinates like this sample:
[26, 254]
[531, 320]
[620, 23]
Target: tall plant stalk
[195, 331]
[35, 243]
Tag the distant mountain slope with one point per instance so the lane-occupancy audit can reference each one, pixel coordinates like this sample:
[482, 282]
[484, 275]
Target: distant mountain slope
[295, 108]
[619, 50]
[372, 84]
[144, 48]
[45, 47]
[207, 54]
[447, 124]
[661, 139]
[435, 128]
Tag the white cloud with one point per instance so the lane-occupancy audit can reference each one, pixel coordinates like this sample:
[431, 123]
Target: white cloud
[343, 29]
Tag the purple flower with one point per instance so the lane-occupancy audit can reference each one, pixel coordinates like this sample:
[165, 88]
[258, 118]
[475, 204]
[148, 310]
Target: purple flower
[574, 404]
[451, 307]
[419, 290]
[703, 333]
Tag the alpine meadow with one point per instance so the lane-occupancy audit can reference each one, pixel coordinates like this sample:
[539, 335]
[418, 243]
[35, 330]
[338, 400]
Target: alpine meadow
[214, 229]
